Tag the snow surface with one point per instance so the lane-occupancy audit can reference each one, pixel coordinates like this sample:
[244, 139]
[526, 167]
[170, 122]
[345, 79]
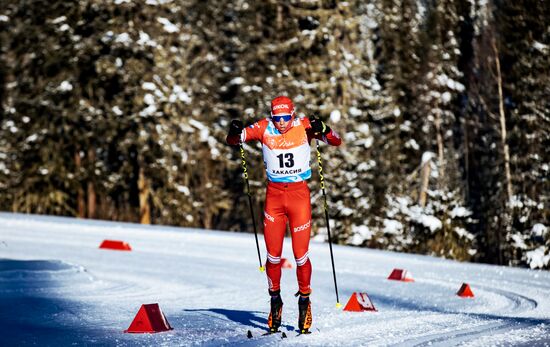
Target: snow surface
[57, 288]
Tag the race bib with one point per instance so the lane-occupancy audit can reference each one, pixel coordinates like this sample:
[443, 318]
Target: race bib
[287, 156]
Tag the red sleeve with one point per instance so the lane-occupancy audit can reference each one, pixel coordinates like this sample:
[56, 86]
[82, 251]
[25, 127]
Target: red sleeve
[332, 138]
[252, 132]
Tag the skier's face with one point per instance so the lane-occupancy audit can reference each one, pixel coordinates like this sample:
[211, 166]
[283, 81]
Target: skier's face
[282, 122]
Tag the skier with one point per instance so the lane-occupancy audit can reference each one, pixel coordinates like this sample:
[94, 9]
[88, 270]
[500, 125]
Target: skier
[286, 151]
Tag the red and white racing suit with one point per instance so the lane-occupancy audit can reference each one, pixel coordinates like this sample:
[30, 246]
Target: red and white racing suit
[287, 162]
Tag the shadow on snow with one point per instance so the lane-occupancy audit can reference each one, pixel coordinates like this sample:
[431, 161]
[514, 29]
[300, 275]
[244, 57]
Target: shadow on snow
[253, 319]
[31, 313]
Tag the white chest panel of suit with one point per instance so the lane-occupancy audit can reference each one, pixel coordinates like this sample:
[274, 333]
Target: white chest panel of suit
[286, 156]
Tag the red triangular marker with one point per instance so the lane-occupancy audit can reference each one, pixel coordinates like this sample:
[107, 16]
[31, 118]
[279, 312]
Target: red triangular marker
[149, 319]
[116, 245]
[401, 275]
[359, 302]
[465, 291]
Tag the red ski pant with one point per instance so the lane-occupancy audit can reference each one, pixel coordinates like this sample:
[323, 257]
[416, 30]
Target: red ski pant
[288, 202]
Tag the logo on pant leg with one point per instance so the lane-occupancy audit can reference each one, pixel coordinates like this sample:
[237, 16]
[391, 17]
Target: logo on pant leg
[303, 227]
[268, 217]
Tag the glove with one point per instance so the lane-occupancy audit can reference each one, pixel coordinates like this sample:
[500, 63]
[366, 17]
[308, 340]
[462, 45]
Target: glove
[236, 128]
[318, 126]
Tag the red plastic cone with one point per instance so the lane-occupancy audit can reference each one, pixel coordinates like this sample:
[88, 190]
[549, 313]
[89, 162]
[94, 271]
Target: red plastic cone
[401, 275]
[116, 245]
[465, 291]
[149, 319]
[285, 264]
[359, 302]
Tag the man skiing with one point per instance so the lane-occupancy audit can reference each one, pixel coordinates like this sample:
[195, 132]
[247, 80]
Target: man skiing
[286, 151]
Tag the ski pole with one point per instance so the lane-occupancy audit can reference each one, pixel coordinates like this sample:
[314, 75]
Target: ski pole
[245, 176]
[325, 205]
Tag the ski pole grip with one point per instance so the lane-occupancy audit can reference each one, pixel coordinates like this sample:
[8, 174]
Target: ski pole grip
[321, 177]
[243, 160]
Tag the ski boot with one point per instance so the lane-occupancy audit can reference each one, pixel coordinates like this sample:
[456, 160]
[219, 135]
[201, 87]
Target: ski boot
[304, 317]
[276, 313]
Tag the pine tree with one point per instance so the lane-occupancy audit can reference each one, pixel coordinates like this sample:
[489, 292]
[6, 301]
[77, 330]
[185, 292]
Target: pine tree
[440, 89]
[504, 162]
[395, 149]
[40, 105]
[523, 45]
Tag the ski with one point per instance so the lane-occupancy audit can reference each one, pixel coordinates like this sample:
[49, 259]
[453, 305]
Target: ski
[283, 334]
[306, 332]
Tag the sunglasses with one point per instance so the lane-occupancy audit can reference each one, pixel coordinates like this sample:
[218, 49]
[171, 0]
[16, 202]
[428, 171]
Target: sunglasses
[285, 117]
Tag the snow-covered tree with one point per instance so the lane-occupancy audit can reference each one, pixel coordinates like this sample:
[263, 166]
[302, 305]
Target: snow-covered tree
[119, 110]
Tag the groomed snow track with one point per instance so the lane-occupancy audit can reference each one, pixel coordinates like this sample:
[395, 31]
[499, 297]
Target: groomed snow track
[58, 288]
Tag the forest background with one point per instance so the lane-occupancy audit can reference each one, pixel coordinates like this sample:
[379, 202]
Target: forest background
[118, 110]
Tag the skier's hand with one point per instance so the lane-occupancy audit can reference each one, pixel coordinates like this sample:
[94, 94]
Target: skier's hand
[318, 126]
[236, 127]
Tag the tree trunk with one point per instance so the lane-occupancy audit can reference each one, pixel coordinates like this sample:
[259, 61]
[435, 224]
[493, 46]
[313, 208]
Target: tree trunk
[279, 20]
[81, 204]
[92, 203]
[505, 148]
[467, 158]
[208, 199]
[439, 137]
[144, 207]
[424, 182]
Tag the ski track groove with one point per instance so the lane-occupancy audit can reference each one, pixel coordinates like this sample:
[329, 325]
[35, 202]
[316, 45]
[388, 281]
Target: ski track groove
[518, 304]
